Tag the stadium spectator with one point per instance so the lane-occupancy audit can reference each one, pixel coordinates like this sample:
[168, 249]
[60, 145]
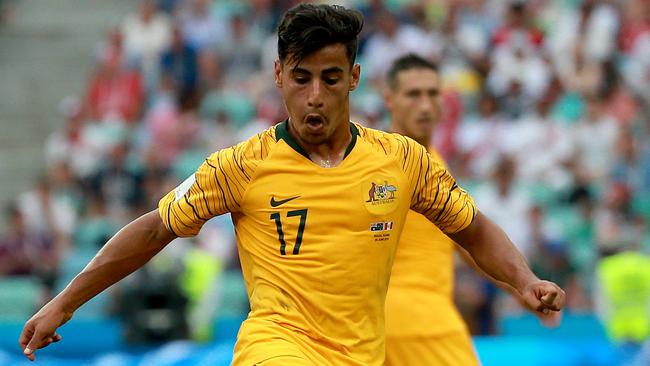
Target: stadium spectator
[146, 34]
[505, 203]
[240, 54]
[203, 27]
[622, 299]
[594, 137]
[179, 63]
[115, 92]
[391, 41]
[25, 251]
[71, 144]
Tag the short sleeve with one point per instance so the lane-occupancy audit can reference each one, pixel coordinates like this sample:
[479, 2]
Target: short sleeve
[435, 192]
[214, 189]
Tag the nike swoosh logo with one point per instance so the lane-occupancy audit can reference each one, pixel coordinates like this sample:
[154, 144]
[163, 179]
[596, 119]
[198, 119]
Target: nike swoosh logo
[275, 203]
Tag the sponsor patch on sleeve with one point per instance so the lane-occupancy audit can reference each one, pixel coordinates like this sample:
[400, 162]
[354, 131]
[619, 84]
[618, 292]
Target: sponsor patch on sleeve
[184, 187]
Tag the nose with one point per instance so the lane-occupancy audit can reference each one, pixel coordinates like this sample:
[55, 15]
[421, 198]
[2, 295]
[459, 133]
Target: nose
[315, 97]
[426, 103]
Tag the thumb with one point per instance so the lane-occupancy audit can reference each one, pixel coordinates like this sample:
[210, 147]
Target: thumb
[549, 298]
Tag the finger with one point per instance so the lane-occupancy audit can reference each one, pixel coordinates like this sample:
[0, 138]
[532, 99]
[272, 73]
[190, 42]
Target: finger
[555, 300]
[549, 298]
[29, 353]
[532, 303]
[38, 341]
[53, 339]
[26, 335]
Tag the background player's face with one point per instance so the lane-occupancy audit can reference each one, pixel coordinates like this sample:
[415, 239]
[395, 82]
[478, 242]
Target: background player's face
[316, 92]
[414, 103]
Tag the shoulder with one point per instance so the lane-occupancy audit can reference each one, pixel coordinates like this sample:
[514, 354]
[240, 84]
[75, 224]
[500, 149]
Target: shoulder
[389, 144]
[248, 154]
[435, 156]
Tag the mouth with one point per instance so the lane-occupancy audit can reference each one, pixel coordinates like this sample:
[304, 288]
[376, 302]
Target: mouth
[315, 122]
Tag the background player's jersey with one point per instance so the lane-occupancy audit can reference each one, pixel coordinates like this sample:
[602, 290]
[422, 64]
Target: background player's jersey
[316, 244]
[419, 300]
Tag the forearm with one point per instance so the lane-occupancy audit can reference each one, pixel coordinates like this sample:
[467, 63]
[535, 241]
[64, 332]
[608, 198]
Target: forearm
[128, 250]
[494, 253]
[467, 258]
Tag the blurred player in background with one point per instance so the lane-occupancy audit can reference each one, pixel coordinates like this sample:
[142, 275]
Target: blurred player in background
[318, 204]
[423, 326]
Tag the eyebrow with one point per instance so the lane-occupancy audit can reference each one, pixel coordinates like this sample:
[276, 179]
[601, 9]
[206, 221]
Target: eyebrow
[426, 90]
[330, 70]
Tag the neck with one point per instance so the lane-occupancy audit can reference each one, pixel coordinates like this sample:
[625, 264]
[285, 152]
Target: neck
[424, 141]
[329, 153]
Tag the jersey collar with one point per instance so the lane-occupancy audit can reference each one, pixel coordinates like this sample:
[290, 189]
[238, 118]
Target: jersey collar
[282, 133]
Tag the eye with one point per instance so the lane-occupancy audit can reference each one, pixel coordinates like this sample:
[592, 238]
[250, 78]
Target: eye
[331, 81]
[301, 80]
[413, 93]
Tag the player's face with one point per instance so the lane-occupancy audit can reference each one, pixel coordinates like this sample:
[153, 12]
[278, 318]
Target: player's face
[316, 93]
[414, 104]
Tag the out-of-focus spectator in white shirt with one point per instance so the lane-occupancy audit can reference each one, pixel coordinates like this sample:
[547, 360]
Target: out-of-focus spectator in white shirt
[581, 40]
[636, 69]
[391, 41]
[480, 139]
[241, 53]
[541, 146]
[146, 34]
[593, 137]
[203, 27]
[508, 206]
[518, 66]
[70, 144]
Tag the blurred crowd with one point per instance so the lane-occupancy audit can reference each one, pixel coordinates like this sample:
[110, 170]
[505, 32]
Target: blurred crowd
[546, 121]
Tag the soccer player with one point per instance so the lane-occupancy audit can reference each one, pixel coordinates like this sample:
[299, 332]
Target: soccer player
[423, 326]
[318, 204]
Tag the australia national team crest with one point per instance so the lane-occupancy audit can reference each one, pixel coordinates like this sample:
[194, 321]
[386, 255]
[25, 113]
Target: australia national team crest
[380, 196]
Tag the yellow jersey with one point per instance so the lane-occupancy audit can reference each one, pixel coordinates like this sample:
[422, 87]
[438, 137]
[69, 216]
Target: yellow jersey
[420, 295]
[316, 244]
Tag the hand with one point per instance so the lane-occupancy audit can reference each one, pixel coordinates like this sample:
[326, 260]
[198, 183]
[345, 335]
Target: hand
[543, 296]
[40, 330]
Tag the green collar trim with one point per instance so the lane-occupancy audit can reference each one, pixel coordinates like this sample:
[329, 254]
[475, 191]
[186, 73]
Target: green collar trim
[282, 133]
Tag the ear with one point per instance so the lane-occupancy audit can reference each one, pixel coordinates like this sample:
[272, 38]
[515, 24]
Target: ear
[355, 76]
[388, 98]
[277, 71]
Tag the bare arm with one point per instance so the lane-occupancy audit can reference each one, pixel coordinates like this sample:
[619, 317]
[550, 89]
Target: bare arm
[467, 258]
[498, 258]
[128, 250]
[549, 320]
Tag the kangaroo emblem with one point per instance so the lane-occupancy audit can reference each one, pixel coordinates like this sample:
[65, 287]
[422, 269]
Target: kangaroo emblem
[381, 192]
[371, 193]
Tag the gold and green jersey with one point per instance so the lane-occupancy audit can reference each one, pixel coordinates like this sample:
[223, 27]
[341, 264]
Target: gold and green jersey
[420, 302]
[316, 244]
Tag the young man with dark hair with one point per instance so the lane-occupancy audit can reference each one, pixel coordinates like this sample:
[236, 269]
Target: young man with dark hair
[423, 326]
[318, 204]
